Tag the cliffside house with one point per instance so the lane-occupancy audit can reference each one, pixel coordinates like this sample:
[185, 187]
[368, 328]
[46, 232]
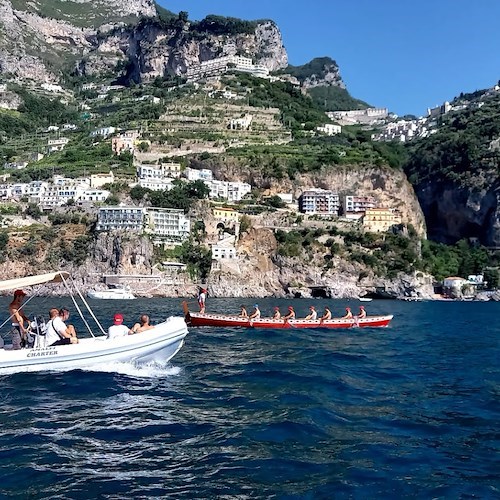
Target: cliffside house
[227, 214]
[354, 207]
[227, 190]
[379, 220]
[56, 144]
[124, 142]
[329, 129]
[220, 65]
[165, 225]
[99, 180]
[166, 170]
[220, 252]
[242, 123]
[319, 202]
[103, 131]
[193, 174]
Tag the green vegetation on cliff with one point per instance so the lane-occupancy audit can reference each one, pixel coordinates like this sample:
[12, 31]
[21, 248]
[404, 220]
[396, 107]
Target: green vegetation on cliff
[34, 112]
[353, 147]
[461, 150]
[327, 97]
[388, 254]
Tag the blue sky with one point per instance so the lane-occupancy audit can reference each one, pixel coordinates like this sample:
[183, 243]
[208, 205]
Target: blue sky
[401, 54]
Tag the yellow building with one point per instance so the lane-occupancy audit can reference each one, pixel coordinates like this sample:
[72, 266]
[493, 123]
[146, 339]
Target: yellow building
[226, 213]
[379, 220]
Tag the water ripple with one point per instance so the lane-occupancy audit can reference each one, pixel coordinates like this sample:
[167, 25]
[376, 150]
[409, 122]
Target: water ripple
[405, 412]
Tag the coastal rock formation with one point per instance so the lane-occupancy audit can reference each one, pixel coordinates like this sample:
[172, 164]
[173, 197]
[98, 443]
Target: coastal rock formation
[453, 212]
[124, 37]
[150, 50]
[389, 187]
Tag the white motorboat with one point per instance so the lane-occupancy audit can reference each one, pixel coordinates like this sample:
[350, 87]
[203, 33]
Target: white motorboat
[161, 343]
[111, 293]
[365, 299]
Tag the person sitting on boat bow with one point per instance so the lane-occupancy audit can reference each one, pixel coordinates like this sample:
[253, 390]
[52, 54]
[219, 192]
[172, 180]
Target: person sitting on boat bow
[290, 314]
[327, 314]
[362, 312]
[117, 329]
[312, 313]
[18, 318]
[276, 313]
[243, 311]
[256, 312]
[57, 331]
[348, 313]
[142, 326]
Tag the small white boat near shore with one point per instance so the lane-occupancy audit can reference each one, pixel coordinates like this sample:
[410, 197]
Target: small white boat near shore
[160, 343]
[111, 294]
[365, 299]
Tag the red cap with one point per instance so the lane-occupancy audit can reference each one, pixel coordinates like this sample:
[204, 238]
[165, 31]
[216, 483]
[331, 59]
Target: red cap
[290, 308]
[361, 307]
[311, 307]
[276, 308]
[19, 292]
[347, 308]
[118, 319]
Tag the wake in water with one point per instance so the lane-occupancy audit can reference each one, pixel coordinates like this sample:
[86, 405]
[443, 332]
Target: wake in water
[145, 370]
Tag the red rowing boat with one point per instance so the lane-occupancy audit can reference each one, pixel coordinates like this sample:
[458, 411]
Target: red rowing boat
[224, 320]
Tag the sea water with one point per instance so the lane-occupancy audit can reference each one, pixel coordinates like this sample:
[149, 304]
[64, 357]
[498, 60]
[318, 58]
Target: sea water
[408, 411]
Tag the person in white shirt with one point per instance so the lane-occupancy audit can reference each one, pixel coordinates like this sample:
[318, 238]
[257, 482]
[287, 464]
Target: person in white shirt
[117, 329]
[57, 331]
[312, 313]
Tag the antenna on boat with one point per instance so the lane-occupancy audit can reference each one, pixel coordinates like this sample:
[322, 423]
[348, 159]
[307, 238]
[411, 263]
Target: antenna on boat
[86, 305]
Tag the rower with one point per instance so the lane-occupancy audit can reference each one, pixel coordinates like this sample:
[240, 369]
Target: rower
[312, 313]
[243, 311]
[276, 313]
[327, 314]
[256, 312]
[348, 313]
[290, 314]
[362, 312]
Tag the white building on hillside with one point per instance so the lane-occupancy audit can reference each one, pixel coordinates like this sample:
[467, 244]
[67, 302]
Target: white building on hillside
[125, 218]
[319, 201]
[231, 191]
[99, 180]
[242, 123]
[361, 116]
[103, 131]
[220, 252]
[221, 65]
[156, 184]
[356, 204]
[329, 129]
[56, 144]
[162, 171]
[193, 174]
[167, 225]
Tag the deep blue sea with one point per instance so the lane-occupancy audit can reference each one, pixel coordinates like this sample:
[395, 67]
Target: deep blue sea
[410, 411]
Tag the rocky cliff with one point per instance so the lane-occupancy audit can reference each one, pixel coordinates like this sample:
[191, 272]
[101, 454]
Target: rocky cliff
[121, 37]
[389, 187]
[320, 72]
[455, 212]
